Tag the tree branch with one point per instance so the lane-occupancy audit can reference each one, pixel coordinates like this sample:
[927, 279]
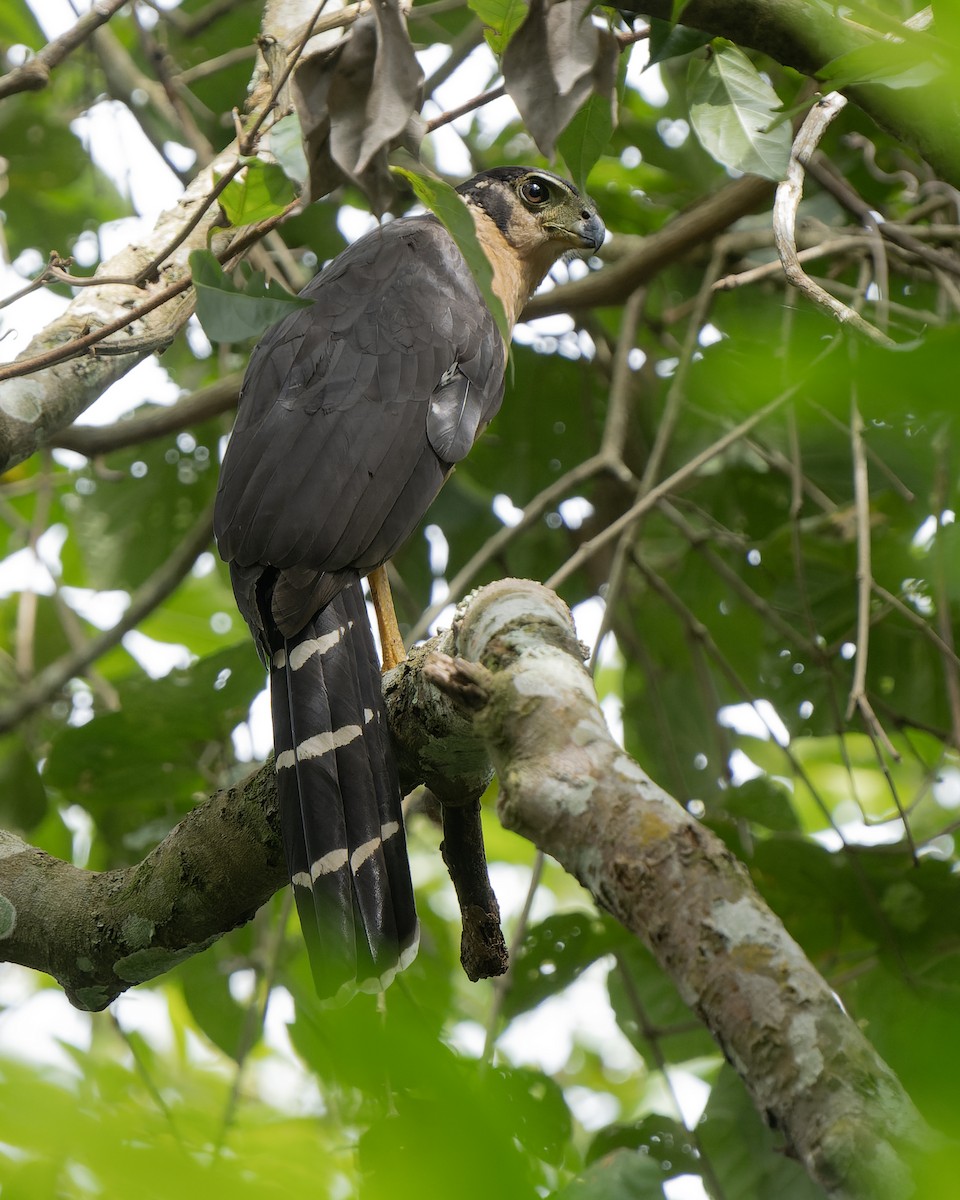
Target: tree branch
[34, 75]
[568, 787]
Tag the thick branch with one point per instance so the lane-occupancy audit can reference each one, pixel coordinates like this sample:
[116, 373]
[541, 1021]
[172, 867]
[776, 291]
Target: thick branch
[568, 787]
[100, 932]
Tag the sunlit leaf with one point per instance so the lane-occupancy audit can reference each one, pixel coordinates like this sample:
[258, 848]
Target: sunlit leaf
[733, 110]
[261, 190]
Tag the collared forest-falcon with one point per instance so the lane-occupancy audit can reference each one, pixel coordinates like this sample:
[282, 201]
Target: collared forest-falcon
[352, 413]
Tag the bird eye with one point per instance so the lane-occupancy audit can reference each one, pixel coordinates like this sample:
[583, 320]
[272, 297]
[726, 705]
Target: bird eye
[534, 192]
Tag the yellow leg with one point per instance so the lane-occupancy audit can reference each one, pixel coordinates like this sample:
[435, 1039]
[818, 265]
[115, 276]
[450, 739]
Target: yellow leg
[390, 639]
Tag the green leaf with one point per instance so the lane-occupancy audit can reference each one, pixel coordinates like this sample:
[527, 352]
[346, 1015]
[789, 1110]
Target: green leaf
[892, 64]
[503, 18]
[286, 144]
[554, 953]
[23, 798]
[262, 190]
[747, 1159]
[673, 41]
[644, 999]
[733, 111]
[586, 138]
[661, 1138]
[444, 202]
[137, 770]
[764, 801]
[622, 1175]
[229, 314]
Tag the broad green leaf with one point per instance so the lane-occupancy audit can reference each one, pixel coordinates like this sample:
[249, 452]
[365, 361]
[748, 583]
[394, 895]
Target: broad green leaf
[892, 64]
[733, 111]
[661, 1138]
[23, 798]
[261, 190]
[286, 144]
[444, 202]
[763, 801]
[230, 314]
[644, 999]
[749, 1160]
[137, 770]
[586, 138]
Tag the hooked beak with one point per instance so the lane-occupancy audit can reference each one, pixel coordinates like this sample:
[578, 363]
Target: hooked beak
[590, 230]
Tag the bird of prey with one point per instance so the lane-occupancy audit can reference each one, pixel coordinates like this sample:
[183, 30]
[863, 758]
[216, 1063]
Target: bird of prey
[352, 414]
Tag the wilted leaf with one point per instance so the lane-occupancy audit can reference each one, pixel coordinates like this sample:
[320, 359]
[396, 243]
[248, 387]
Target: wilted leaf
[555, 61]
[228, 314]
[355, 101]
[733, 111]
[286, 145]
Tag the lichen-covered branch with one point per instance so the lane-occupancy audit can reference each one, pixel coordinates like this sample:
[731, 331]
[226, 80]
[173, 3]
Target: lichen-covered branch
[99, 932]
[568, 787]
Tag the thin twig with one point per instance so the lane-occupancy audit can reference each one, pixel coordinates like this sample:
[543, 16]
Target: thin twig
[502, 984]
[499, 541]
[861, 493]
[76, 346]
[681, 475]
[785, 208]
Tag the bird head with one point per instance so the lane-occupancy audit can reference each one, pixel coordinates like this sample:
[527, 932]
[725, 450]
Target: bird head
[526, 219]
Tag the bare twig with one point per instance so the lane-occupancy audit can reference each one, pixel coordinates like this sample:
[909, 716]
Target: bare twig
[785, 218]
[861, 492]
[76, 346]
[681, 475]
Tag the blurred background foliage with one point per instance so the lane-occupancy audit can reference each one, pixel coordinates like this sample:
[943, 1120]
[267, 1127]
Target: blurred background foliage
[736, 613]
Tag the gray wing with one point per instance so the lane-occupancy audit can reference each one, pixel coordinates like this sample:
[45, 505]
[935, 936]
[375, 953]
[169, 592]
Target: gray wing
[352, 413]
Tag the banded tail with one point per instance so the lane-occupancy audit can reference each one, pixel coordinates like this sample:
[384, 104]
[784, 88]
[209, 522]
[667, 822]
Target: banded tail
[340, 800]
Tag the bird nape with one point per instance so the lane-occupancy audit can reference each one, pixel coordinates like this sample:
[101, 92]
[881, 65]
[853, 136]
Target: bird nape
[352, 413]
